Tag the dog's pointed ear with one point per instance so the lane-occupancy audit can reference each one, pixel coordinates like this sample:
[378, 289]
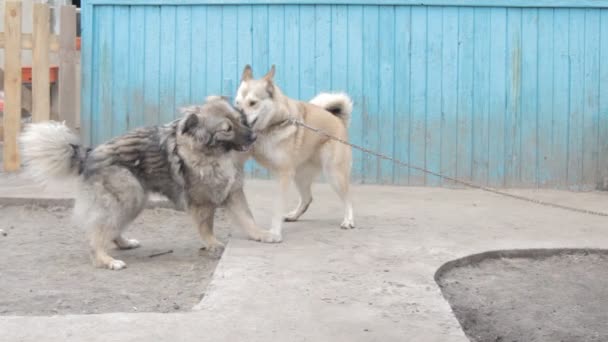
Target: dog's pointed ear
[270, 75]
[190, 124]
[247, 73]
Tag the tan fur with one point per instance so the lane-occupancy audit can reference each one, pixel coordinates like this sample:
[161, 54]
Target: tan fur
[294, 153]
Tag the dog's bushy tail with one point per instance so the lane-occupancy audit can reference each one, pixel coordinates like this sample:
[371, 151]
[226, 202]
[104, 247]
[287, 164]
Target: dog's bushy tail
[339, 104]
[50, 151]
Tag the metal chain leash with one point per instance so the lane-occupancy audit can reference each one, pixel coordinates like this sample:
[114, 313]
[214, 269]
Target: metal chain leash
[455, 180]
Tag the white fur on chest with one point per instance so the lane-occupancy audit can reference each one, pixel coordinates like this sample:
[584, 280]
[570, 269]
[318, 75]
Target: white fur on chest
[269, 147]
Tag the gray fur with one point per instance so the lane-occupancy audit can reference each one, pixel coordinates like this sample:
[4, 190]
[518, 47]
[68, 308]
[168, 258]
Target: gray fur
[194, 161]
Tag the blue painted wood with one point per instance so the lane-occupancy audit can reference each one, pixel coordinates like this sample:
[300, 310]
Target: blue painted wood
[168, 33]
[384, 117]
[561, 90]
[190, 54]
[473, 3]
[603, 106]
[464, 128]
[356, 84]
[449, 94]
[497, 97]
[418, 84]
[529, 98]
[371, 82]
[546, 47]
[590, 125]
[506, 96]
[513, 91]
[576, 37]
[433, 107]
[481, 92]
[402, 131]
[120, 83]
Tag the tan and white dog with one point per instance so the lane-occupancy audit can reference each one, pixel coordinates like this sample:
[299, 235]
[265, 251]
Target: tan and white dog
[293, 152]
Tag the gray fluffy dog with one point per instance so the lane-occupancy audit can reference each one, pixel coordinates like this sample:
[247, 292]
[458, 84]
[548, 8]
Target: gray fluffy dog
[195, 161]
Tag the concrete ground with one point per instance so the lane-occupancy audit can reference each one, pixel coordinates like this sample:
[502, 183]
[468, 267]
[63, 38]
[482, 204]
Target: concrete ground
[373, 283]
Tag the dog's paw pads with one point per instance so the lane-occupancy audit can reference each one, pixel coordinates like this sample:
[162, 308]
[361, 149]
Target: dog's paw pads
[117, 265]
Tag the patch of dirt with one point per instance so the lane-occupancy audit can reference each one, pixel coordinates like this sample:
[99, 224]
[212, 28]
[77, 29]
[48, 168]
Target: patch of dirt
[563, 297]
[45, 267]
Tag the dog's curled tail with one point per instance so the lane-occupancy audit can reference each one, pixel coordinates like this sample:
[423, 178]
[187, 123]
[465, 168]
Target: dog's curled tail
[339, 104]
[50, 151]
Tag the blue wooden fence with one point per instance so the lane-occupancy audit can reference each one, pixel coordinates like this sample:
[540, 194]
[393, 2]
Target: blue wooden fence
[505, 93]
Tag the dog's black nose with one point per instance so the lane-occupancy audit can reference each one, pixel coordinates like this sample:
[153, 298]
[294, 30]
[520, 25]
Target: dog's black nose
[252, 137]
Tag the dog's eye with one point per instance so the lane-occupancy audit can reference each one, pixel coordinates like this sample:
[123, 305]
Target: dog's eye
[252, 103]
[229, 128]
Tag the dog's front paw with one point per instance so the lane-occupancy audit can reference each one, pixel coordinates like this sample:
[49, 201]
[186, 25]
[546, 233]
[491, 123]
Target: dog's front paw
[116, 265]
[124, 243]
[215, 250]
[347, 224]
[291, 217]
[268, 237]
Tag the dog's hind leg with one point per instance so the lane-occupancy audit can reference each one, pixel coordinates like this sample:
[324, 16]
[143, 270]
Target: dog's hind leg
[203, 218]
[336, 161]
[101, 236]
[303, 179]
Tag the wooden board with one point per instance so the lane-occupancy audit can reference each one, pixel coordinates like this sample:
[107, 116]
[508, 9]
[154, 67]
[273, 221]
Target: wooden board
[68, 91]
[12, 84]
[41, 107]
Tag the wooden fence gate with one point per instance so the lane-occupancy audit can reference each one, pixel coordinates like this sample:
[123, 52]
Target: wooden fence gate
[37, 101]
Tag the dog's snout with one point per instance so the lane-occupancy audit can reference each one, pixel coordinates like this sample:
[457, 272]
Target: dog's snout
[252, 136]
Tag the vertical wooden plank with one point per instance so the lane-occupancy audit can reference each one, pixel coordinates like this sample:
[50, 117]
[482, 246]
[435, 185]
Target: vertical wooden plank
[577, 97]
[355, 83]
[401, 131]
[466, 48]
[497, 98]
[86, 74]
[276, 42]
[546, 55]
[561, 92]
[481, 92]
[418, 94]
[105, 67]
[244, 53]
[307, 52]
[261, 63]
[339, 47]
[229, 51]
[195, 88]
[591, 95]
[214, 50]
[449, 91]
[513, 115]
[41, 106]
[322, 48]
[386, 106]
[120, 70]
[529, 105]
[603, 117]
[168, 54]
[292, 51]
[137, 61]
[434, 95]
[69, 91]
[188, 20]
[12, 84]
[371, 82]
[152, 48]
